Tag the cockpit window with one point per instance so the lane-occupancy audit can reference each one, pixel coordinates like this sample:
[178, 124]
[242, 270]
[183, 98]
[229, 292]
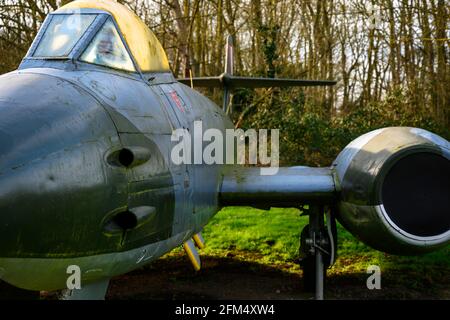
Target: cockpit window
[62, 34]
[107, 49]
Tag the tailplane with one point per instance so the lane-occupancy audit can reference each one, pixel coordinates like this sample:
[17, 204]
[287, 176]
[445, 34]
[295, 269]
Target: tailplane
[228, 81]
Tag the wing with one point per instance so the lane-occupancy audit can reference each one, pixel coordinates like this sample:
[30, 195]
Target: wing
[288, 187]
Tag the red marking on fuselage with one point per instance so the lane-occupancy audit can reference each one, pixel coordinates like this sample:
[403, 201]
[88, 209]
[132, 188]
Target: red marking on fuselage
[176, 99]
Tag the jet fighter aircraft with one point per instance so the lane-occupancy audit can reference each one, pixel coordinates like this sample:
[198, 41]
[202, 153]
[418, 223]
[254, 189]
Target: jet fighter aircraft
[86, 177]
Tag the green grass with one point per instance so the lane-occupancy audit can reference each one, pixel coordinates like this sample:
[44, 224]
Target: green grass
[273, 237]
[273, 233]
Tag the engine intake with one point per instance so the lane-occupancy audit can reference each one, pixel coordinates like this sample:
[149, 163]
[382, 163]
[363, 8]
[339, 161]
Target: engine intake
[394, 186]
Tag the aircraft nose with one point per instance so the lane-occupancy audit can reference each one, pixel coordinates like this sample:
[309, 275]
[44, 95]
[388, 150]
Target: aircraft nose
[55, 186]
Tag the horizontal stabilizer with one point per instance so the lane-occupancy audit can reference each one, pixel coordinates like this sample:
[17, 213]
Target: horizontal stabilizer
[233, 82]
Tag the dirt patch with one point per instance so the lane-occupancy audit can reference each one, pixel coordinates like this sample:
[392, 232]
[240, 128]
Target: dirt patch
[238, 276]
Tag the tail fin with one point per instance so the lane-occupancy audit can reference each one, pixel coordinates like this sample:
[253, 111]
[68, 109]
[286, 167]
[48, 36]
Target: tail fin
[229, 56]
[229, 70]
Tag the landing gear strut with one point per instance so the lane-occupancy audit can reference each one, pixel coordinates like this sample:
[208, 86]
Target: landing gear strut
[317, 249]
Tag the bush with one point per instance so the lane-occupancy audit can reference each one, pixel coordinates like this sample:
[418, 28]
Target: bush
[308, 136]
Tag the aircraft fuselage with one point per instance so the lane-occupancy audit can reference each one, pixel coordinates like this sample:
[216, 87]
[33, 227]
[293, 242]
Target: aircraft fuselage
[70, 181]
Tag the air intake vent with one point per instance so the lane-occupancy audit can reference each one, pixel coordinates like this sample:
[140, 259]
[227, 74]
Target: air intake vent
[129, 157]
[416, 194]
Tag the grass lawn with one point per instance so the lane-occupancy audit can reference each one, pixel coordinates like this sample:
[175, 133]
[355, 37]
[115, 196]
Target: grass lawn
[274, 236]
[251, 254]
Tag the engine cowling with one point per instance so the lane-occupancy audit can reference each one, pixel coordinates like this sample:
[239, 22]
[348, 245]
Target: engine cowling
[394, 186]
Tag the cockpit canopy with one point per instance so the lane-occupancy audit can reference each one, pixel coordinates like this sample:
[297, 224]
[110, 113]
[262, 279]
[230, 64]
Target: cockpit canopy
[107, 49]
[103, 33]
[61, 35]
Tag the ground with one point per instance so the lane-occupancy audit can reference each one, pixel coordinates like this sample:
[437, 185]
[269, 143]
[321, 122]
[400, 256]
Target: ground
[251, 254]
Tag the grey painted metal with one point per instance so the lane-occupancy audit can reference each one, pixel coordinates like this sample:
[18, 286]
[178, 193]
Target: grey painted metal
[92, 291]
[135, 111]
[229, 70]
[316, 228]
[331, 236]
[138, 119]
[360, 172]
[49, 273]
[291, 186]
[319, 275]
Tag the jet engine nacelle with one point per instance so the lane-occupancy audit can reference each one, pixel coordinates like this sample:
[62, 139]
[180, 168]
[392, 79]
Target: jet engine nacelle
[394, 186]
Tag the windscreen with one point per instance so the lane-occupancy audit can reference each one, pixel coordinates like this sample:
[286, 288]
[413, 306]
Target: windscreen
[62, 34]
[107, 49]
